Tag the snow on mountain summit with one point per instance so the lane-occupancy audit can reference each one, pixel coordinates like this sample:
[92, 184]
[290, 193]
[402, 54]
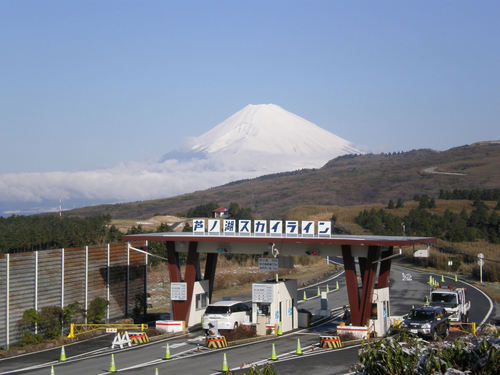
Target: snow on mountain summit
[266, 137]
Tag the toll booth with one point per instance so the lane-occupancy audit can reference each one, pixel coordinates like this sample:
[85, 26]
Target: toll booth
[380, 319]
[273, 303]
[199, 302]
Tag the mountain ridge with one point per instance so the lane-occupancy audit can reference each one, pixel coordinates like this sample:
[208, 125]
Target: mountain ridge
[345, 180]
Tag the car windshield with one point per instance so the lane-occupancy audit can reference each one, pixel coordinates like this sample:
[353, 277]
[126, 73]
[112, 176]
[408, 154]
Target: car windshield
[421, 315]
[217, 310]
[444, 299]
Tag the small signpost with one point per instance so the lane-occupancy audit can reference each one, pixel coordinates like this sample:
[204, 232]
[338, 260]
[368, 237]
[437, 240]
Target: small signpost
[268, 264]
[481, 262]
[178, 291]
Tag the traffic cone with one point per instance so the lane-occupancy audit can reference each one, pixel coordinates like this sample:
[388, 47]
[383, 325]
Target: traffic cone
[426, 300]
[298, 351]
[52, 370]
[327, 288]
[442, 278]
[280, 332]
[337, 285]
[319, 292]
[430, 280]
[273, 354]
[167, 352]
[62, 357]
[156, 371]
[225, 368]
[456, 279]
[112, 366]
[305, 297]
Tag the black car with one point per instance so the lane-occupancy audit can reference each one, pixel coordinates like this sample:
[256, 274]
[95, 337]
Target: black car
[427, 321]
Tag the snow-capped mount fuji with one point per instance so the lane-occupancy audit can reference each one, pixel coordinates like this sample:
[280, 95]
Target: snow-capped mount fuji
[265, 138]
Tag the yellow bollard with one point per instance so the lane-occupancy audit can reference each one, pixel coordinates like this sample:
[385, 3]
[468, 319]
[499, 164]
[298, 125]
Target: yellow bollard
[273, 354]
[167, 352]
[112, 366]
[62, 357]
[298, 351]
[225, 367]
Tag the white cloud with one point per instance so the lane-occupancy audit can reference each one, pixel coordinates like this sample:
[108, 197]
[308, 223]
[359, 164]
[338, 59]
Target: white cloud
[124, 182]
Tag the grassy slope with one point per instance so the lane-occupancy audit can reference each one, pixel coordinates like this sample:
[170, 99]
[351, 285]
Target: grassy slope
[343, 181]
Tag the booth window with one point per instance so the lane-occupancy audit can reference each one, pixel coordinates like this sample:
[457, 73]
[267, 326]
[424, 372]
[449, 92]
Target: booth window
[201, 301]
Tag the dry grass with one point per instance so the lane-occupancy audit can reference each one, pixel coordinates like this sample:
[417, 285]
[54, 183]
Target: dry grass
[232, 278]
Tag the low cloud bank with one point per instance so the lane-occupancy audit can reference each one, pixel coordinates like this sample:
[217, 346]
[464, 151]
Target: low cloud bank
[125, 182]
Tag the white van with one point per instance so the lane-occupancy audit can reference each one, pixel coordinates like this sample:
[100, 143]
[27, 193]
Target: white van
[226, 314]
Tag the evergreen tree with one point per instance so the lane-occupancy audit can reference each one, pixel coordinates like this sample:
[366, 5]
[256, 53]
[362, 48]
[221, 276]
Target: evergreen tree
[399, 204]
[390, 206]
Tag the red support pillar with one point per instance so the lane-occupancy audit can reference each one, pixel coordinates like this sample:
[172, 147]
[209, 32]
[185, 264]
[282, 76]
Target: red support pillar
[180, 309]
[368, 271]
[360, 305]
[385, 269]
[352, 285]
[209, 274]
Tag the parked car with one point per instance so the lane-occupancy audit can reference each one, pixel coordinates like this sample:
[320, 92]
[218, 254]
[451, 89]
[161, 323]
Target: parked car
[226, 314]
[427, 321]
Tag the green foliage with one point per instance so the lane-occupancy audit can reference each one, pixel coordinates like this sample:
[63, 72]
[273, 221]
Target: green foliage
[203, 210]
[140, 307]
[30, 338]
[450, 226]
[405, 354]
[97, 310]
[400, 203]
[41, 232]
[390, 205]
[266, 370]
[471, 195]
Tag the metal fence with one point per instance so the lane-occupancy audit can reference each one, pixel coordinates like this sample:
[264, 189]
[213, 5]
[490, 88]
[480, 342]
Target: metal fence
[62, 276]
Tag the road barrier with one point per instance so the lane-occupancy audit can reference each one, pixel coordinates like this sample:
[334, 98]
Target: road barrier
[464, 327]
[329, 342]
[216, 342]
[80, 329]
[138, 337]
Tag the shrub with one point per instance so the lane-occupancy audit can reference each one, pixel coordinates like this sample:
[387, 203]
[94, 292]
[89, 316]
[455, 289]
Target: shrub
[30, 338]
[97, 310]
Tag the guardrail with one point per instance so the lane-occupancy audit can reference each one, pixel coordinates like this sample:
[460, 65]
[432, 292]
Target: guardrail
[80, 329]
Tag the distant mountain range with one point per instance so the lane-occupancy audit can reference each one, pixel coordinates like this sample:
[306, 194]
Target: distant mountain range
[257, 140]
[345, 180]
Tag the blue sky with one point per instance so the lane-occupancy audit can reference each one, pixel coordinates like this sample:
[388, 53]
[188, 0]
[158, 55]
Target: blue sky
[88, 84]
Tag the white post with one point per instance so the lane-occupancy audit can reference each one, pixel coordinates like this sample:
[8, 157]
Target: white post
[62, 278]
[7, 302]
[86, 297]
[128, 276]
[107, 284]
[36, 287]
[481, 262]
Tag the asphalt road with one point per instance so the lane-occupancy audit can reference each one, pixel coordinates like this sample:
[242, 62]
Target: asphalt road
[408, 287]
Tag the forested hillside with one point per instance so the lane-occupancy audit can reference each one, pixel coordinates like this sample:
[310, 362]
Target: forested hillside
[347, 180]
